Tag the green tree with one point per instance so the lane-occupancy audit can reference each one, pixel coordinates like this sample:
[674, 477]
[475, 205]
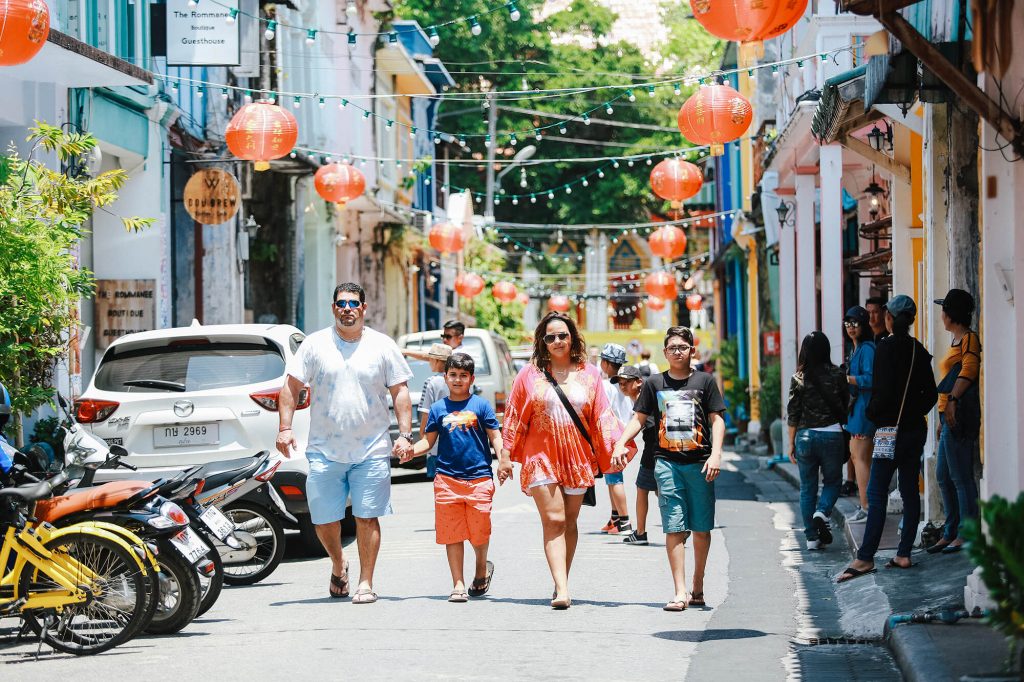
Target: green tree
[43, 215]
[505, 319]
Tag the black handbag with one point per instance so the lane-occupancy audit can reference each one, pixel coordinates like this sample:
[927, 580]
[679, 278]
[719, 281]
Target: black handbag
[589, 497]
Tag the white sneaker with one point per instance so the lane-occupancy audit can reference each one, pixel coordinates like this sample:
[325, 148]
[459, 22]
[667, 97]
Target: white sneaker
[858, 516]
[814, 544]
[824, 528]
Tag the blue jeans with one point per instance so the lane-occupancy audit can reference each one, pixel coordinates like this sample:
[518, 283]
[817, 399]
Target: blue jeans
[909, 446]
[955, 472]
[819, 450]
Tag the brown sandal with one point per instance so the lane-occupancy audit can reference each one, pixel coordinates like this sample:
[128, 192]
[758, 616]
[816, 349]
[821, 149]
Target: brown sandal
[341, 582]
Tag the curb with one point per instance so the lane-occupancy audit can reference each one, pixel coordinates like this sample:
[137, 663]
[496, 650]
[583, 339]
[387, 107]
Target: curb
[913, 649]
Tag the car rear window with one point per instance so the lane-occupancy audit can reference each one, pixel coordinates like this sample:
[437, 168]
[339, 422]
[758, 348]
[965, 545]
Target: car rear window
[189, 366]
[420, 373]
[471, 345]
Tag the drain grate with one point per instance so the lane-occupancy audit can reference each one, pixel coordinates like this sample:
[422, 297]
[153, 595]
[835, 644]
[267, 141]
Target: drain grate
[822, 641]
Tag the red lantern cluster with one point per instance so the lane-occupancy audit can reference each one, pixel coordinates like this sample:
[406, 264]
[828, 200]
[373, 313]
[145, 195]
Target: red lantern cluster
[24, 28]
[694, 302]
[558, 303]
[338, 183]
[655, 303]
[504, 292]
[661, 285]
[676, 180]
[261, 131]
[747, 21]
[668, 242]
[446, 238]
[715, 115]
[469, 284]
[522, 298]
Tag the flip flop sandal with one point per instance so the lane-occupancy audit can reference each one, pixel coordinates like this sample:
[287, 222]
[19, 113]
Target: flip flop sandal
[850, 573]
[674, 606]
[697, 599]
[458, 596]
[481, 585]
[892, 564]
[364, 596]
[341, 582]
[561, 604]
[951, 549]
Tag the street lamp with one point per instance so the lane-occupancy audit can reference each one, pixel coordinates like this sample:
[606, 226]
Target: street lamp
[251, 227]
[523, 154]
[879, 140]
[784, 210]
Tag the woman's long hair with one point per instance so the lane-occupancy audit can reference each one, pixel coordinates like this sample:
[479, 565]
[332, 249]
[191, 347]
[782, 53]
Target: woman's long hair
[577, 346]
[815, 354]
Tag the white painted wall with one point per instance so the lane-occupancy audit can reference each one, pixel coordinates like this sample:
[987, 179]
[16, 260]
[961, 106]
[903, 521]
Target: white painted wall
[806, 269]
[831, 237]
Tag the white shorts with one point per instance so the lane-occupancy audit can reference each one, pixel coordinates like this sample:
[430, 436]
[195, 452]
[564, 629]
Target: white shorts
[548, 481]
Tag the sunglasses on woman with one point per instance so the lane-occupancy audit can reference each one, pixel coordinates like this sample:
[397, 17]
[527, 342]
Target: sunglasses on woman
[550, 338]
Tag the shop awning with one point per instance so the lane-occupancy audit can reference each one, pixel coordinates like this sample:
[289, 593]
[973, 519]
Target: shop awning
[70, 63]
[841, 107]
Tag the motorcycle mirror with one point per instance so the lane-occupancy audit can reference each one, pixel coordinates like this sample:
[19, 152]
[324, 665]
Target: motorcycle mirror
[118, 451]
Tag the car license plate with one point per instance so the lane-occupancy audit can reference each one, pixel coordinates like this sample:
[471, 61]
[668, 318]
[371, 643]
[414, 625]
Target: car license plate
[218, 524]
[115, 441]
[180, 435]
[190, 545]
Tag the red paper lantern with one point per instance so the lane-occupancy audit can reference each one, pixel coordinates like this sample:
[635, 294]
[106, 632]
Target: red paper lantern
[24, 28]
[469, 284]
[261, 131]
[696, 341]
[446, 238]
[676, 180]
[522, 298]
[661, 285]
[694, 302]
[339, 182]
[655, 303]
[558, 303]
[747, 21]
[504, 292]
[715, 115]
[668, 242]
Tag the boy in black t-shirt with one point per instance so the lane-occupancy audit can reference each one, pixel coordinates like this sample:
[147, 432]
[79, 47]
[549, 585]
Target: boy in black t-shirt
[686, 407]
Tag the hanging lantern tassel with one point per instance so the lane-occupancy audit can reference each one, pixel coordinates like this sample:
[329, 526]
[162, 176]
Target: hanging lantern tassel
[260, 132]
[24, 28]
[339, 183]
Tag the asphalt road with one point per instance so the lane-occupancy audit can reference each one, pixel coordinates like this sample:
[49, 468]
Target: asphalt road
[755, 627]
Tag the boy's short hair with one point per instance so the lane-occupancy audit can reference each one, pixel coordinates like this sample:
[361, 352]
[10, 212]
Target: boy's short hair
[685, 333]
[456, 327]
[460, 361]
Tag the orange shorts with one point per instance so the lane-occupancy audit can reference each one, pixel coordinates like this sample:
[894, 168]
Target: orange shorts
[462, 510]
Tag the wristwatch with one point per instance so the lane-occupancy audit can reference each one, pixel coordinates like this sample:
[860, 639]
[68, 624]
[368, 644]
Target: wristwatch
[407, 436]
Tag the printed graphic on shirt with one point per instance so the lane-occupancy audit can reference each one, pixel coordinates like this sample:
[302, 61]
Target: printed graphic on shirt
[463, 419]
[682, 421]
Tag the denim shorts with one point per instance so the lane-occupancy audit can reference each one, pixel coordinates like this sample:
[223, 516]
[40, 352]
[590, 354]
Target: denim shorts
[685, 497]
[645, 479]
[614, 479]
[331, 483]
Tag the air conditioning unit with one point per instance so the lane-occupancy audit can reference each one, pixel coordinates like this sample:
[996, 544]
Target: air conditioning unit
[422, 221]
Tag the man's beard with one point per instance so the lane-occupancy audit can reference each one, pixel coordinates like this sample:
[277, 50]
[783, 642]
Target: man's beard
[348, 321]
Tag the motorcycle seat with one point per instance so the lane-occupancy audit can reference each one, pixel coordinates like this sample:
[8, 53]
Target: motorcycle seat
[224, 472]
[100, 497]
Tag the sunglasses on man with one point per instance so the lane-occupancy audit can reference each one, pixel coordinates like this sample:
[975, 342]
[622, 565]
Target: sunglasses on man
[560, 336]
[446, 337]
[347, 304]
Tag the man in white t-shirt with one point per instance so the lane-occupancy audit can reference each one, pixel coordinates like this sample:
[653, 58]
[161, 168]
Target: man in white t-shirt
[350, 369]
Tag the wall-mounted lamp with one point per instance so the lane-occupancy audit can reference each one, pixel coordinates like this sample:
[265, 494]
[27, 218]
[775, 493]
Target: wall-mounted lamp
[880, 141]
[251, 227]
[785, 212]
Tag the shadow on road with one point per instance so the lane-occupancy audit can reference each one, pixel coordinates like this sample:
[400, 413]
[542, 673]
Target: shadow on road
[708, 635]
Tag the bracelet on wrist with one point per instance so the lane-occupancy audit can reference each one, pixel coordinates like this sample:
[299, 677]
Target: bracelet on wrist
[284, 428]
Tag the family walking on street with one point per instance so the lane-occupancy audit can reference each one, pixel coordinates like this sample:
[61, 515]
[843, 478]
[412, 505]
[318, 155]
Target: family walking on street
[561, 425]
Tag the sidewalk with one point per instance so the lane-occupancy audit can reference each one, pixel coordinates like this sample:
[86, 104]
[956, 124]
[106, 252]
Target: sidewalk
[931, 652]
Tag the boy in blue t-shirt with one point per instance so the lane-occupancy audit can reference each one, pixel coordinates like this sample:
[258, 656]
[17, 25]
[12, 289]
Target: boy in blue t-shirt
[465, 428]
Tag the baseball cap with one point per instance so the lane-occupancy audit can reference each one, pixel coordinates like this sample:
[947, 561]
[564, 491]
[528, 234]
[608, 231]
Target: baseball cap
[858, 315]
[957, 300]
[902, 305]
[626, 372]
[613, 352]
[440, 351]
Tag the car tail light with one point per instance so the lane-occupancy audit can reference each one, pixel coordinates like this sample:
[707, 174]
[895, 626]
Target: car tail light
[269, 473]
[292, 491]
[499, 401]
[267, 399]
[93, 411]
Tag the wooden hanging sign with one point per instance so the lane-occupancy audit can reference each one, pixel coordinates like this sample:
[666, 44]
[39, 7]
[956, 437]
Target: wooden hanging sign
[212, 196]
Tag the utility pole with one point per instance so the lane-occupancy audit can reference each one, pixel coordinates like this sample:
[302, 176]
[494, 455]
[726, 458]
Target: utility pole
[492, 131]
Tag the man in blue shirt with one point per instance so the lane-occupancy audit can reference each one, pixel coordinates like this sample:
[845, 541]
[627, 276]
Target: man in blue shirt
[465, 429]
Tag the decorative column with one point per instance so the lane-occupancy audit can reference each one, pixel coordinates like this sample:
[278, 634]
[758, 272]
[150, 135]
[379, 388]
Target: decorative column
[806, 284]
[787, 309]
[831, 236]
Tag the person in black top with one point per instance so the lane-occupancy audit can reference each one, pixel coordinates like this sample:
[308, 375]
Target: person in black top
[687, 408]
[876, 317]
[903, 367]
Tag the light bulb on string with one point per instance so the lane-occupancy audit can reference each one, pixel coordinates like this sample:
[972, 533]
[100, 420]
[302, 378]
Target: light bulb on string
[568, 190]
[200, 91]
[537, 135]
[648, 161]
[630, 163]
[193, 3]
[271, 30]
[676, 90]
[232, 16]
[350, 8]
[551, 195]
[412, 133]
[512, 140]
[513, 12]
[585, 183]
[608, 109]
[223, 93]
[392, 37]
[533, 198]
[389, 124]
[561, 129]
[586, 119]
[247, 96]
[487, 141]
[366, 115]
[321, 102]
[650, 91]
[474, 26]
[435, 38]
[352, 37]
[630, 95]
[311, 36]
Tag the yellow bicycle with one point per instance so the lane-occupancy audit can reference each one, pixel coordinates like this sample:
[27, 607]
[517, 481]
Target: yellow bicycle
[83, 588]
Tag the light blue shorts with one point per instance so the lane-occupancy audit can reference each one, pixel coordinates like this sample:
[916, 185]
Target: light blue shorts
[686, 499]
[331, 483]
[613, 479]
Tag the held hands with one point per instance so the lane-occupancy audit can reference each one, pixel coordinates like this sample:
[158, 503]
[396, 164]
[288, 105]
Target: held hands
[286, 442]
[402, 449]
[504, 470]
[712, 467]
[620, 457]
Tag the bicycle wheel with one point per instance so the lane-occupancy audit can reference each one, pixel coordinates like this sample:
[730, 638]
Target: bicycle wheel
[118, 602]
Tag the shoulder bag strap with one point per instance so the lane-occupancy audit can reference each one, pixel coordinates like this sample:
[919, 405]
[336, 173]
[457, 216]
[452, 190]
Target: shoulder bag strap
[913, 355]
[569, 408]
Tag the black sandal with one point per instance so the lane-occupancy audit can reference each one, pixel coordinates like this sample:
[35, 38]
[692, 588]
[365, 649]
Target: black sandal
[892, 564]
[697, 599]
[341, 582]
[850, 573]
[481, 585]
